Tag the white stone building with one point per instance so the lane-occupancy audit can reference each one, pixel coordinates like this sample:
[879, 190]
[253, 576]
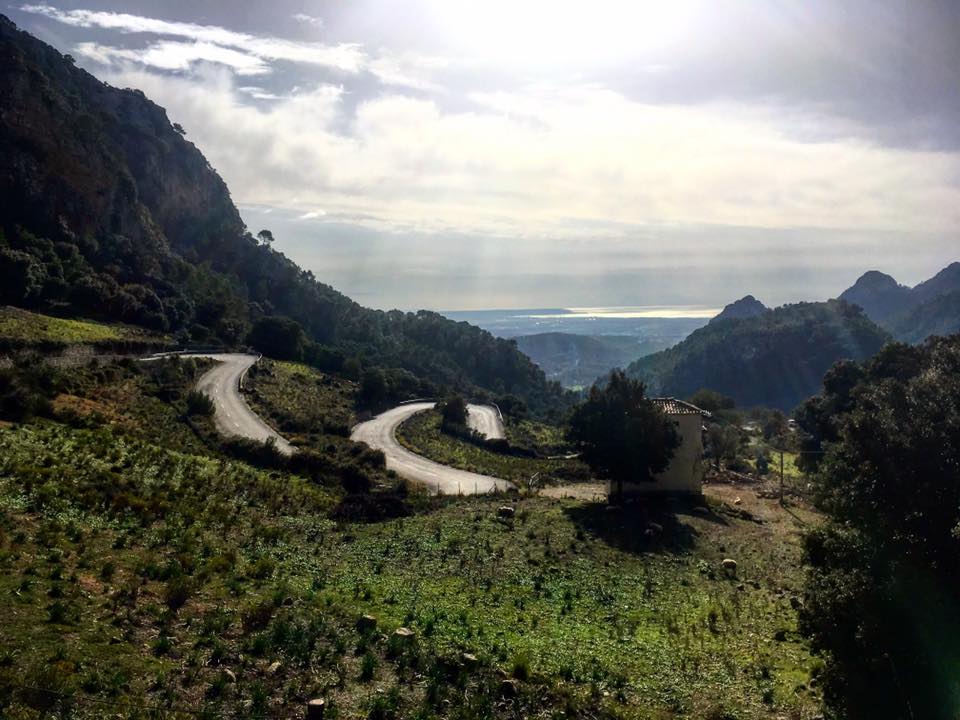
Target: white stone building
[684, 474]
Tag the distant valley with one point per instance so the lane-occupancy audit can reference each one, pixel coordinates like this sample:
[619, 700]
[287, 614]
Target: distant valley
[576, 361]
[575, 347]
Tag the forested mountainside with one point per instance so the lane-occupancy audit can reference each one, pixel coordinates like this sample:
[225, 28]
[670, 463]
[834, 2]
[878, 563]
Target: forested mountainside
[939, 316]
[776, 359]
[910, 314]
[110, 213]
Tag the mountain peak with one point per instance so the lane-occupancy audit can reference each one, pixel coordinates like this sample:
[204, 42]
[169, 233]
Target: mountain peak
[746, 307]
[880, 295]
[874, 280]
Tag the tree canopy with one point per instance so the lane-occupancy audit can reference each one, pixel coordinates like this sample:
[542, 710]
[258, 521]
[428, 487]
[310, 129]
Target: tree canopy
[623, 436]
[278, 337]
[883, 597]
[454, 412]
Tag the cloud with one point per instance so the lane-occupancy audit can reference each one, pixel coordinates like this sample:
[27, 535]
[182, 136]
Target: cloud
[312, 215]
[258, 93]
[582, 163]
[309, 19]
[408, 70]
[173, 55]
[344, 57]
[246, 54]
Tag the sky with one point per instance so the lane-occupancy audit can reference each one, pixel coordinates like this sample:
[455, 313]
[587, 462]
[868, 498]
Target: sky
[454, 154]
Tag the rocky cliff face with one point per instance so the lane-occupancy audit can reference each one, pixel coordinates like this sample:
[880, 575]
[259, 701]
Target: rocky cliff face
[81, 157]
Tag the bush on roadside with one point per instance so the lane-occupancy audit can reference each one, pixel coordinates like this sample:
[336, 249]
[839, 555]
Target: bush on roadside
[199, 404]
[454, 412]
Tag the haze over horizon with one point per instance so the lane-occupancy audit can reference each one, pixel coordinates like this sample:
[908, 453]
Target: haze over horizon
[536, 155]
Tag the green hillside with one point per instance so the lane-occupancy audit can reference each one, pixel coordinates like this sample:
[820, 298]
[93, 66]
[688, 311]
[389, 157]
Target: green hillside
[22, 327]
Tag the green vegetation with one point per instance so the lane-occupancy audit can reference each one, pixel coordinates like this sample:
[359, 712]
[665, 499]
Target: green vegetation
[939, 316]
[145, 400]
[302, 403]
[539, 437]
[775, 359]
[278, 337]
[453, 413]
[576, 361]
[31, 327]
[883, 595]
[22, 328]
[424, 435]
[135, 574]
[622, 435]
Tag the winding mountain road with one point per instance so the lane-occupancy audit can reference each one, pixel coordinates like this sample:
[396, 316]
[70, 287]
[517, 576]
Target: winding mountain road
[380, 433]
[486, 420]
[232, 416]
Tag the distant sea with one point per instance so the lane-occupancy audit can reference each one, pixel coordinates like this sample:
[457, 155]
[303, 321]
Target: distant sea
[668, 323]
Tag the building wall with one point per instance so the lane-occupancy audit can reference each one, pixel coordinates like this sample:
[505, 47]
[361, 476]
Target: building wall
[685, 472]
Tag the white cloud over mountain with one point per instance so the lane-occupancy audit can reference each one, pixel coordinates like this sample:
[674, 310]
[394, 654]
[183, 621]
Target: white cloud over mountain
[568, 170]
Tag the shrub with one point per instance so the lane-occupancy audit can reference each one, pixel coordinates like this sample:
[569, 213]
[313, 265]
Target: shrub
[354, 479]
[278, 337]
[199, 403]
[521, 667]
[262, 569]
[58, 613]
[177, 592]
[108, 569]
[368, 667]
[454, 412]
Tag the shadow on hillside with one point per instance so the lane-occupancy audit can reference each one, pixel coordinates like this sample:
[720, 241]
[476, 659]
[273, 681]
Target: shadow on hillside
[650, 525]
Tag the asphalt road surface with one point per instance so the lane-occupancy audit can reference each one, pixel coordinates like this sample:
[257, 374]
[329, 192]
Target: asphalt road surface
[485, 419]
[232, 416]
[380, 433]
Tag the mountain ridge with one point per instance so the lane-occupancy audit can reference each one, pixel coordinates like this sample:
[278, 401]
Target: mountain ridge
[913, 313]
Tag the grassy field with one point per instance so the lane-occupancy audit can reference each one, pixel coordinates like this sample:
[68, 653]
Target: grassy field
[548, 439]
[25, 326]
[422, 434]
[134, 574]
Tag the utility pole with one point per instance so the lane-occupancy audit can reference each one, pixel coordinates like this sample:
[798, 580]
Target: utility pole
[781, 477]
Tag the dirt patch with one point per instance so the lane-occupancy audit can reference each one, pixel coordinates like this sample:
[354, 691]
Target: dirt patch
[789, 518]
[84, 407]
[591, 492]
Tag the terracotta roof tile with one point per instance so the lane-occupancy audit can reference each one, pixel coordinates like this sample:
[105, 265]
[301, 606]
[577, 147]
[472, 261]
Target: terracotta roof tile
[672, 406]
